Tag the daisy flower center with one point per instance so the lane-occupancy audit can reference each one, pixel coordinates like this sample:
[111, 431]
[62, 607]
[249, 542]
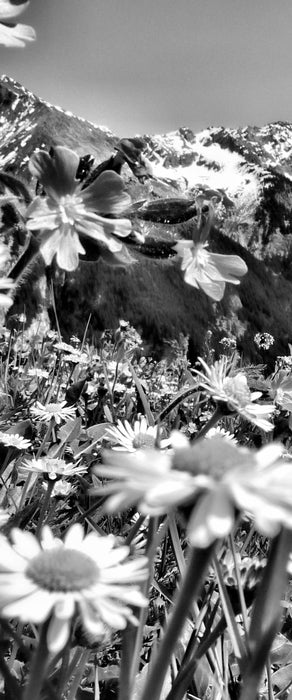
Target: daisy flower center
[143, 440]
[53, 407]
[236, 388]
[62, 570]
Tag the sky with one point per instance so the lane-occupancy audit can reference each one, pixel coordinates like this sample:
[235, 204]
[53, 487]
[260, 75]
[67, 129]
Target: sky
[152, 66]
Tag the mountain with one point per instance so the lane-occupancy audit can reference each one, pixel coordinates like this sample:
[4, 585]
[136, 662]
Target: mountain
[249, 169]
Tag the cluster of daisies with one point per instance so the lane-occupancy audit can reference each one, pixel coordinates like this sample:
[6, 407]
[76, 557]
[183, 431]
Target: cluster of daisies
[93, 579]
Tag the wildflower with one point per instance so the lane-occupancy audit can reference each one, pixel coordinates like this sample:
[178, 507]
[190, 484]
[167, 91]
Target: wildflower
[228, 344]
[209, 271]
[72, 354]
[248, 568]
[14, 34]
[53, 468]
[68, 211]
[213, 478]
[85, 575]
[21, 318]
[264, 340]
[65, 347]
[53, 411]
[128, 439]
[281, 390]
[38, 373]
[62, 488]
[221, 432]
[146, 479]
[256, 483]
[284, 362]
[75, 341]
[234, 393]
[14, 440]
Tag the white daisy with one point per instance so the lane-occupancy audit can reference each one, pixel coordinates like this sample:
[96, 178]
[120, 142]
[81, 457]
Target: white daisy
[233, 392]
[221, 432]
[14, 440]
[146, 479]
[214, 478]
[53, 468]
[128, 439]
[85, 575]
[53, 411]
[61, 488]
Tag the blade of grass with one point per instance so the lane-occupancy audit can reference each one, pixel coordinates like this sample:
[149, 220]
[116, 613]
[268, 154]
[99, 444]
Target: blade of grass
[143, 397]
[266, 614]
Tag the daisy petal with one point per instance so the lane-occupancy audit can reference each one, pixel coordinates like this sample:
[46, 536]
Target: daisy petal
[211, 519]
[58, 634]
[25, 543]
[35, 607]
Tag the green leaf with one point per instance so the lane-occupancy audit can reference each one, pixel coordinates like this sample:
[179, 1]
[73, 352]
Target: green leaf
[97, 431]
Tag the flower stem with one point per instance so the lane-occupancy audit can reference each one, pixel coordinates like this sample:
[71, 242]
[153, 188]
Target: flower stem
[217, 415]
[39, 666]
[46, 438]
[45, 506]
[266, 614]
[190, 588]
[81, 659]
[6, 460]
[133, 636]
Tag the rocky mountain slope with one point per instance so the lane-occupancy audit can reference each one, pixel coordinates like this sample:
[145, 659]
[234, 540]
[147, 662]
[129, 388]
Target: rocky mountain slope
[250, 168]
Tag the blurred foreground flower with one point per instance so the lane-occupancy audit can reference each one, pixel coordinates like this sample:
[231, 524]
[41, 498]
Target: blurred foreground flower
[146, 479]
[258, 484]
[212, 480]
[14, 34]
[128, 439]
[209, 271]
[53, 411]
[68, 212]
[84, 575]
[233, 392]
